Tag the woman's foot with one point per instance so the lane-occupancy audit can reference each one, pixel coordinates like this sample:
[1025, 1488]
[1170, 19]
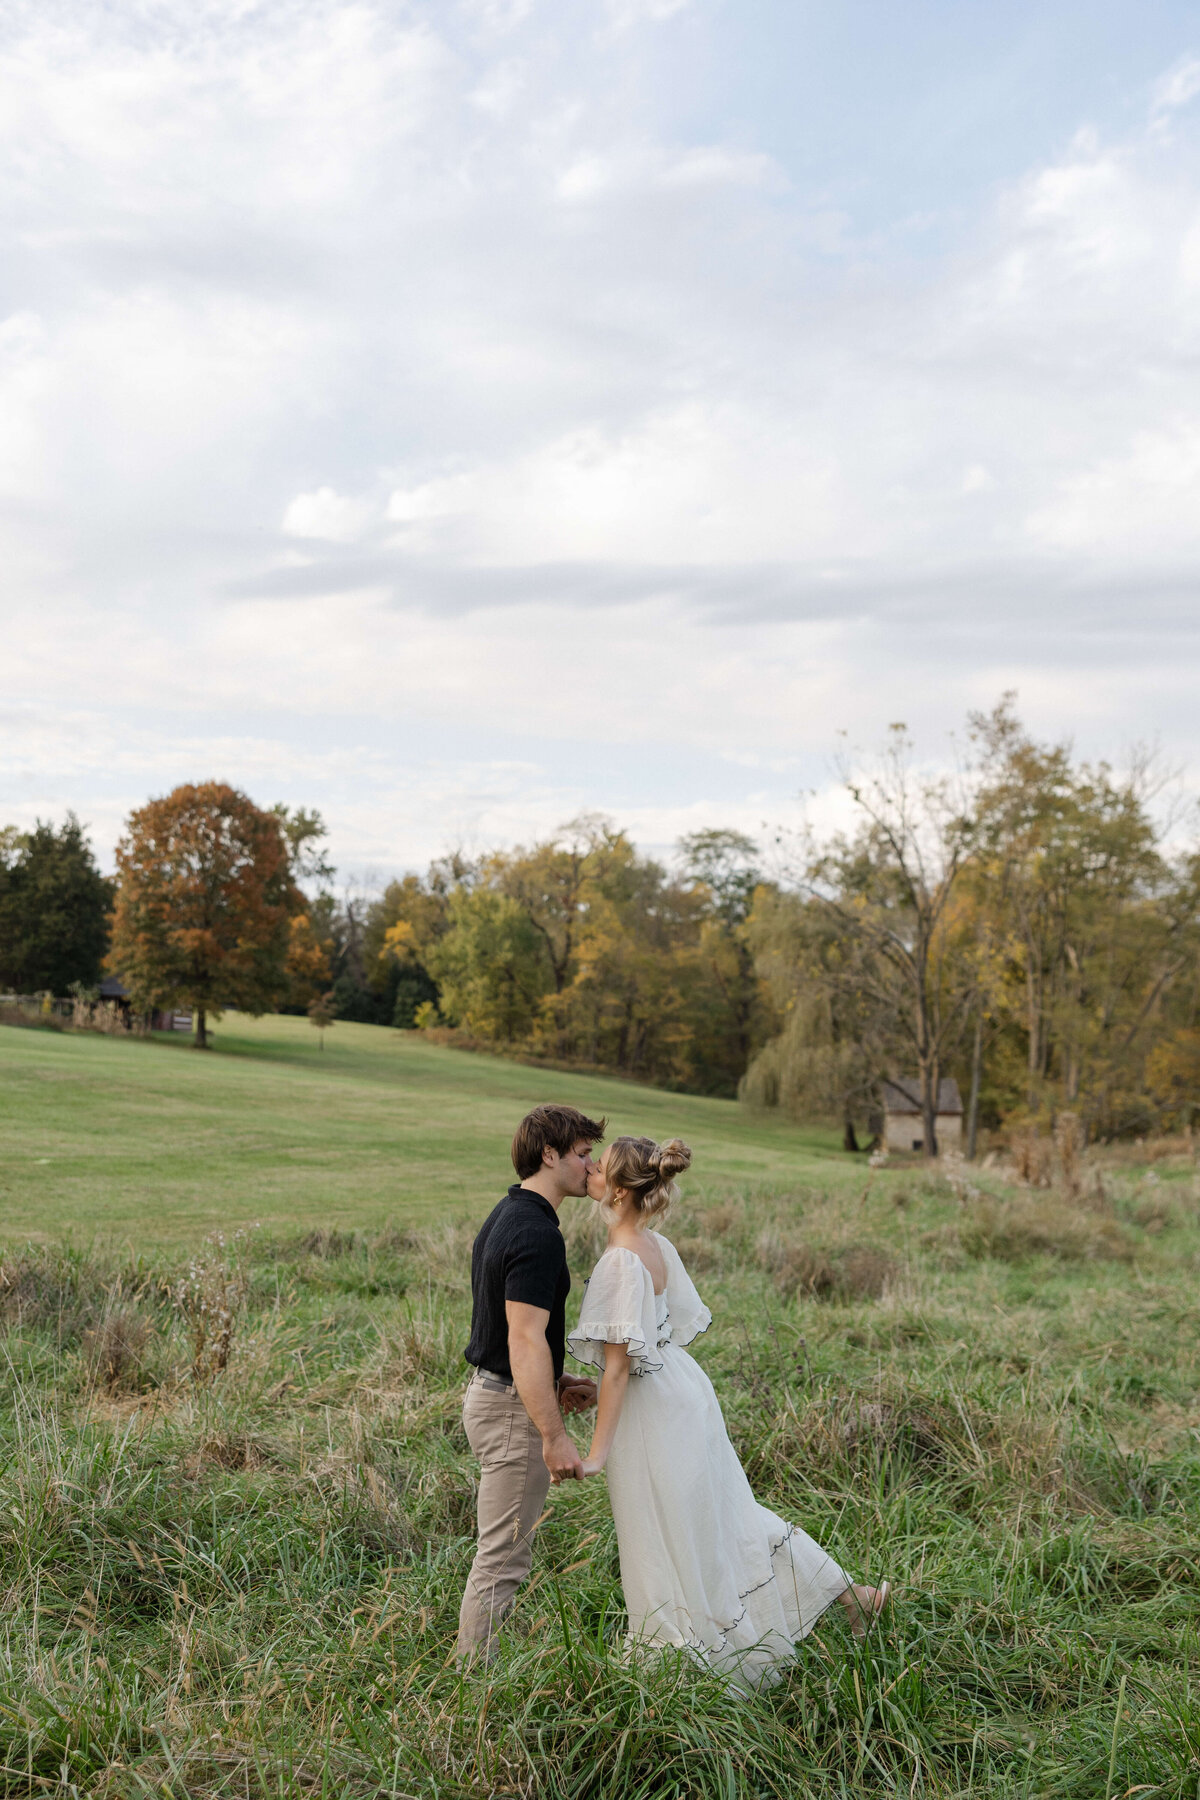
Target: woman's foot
[864, 1604]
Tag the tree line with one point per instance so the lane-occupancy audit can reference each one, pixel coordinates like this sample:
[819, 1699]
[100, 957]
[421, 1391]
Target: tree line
[1027, 922]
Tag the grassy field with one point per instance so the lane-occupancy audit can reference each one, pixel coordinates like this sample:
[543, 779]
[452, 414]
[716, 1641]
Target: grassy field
[243, 1580]
[154, 1143]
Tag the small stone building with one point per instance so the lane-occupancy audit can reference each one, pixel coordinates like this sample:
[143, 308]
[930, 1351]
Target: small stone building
[903, 1120]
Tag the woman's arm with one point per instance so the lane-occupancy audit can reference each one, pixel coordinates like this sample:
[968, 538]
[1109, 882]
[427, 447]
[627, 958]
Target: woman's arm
[608, 1412]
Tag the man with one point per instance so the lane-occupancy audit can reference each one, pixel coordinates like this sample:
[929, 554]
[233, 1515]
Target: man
[513, 1411]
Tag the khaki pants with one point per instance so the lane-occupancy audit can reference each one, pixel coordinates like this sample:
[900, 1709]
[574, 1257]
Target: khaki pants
[513, 1484]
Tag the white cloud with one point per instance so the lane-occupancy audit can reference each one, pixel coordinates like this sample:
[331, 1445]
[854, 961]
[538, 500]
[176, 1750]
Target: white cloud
[379, 373]
[498, 16]
[625, 14]
[1178, 87]
[337, 518]
[1144, 503]
[500, 89]
[651, 168]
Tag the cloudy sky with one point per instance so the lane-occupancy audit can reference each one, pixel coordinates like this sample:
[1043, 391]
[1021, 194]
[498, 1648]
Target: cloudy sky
[461, 413]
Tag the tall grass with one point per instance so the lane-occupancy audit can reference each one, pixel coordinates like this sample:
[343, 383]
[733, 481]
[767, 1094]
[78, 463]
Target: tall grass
[243, 1580]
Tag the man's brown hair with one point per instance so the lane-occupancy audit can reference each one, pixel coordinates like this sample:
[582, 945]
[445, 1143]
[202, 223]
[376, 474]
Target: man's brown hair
[551, 1128]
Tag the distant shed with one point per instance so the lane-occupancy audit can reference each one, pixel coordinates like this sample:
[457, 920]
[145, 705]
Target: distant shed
[113, 989]
[904, 1122]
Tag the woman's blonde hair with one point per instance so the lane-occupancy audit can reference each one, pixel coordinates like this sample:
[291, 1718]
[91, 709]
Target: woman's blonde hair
[647, 1171]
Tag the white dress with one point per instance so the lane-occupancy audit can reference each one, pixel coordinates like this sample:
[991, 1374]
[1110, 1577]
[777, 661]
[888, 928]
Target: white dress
[704, 1567]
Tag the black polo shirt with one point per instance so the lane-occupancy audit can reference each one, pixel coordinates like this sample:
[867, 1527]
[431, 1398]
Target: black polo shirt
[518, 1255]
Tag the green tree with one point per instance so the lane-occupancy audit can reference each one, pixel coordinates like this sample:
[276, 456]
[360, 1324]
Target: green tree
[721, 869]
[205, 901]
[490, 966]
[55, 909]
[550, 884]
[304, 832]
[1100, 922]
[322, 1012]
[403, 929]
[725, 863]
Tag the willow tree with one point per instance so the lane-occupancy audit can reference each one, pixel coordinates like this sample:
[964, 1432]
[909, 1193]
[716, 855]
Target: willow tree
[834, 1039]
[205, 901]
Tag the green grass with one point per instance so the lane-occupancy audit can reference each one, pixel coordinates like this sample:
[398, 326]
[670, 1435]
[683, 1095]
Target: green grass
[245, 1582]
[152, 1141]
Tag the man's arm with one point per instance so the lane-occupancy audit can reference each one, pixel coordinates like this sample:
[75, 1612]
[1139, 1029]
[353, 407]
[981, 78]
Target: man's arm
[533, 1371]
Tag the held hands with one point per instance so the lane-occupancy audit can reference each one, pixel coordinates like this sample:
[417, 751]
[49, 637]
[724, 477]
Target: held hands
[576, 1393]
[565, 1467]
[562, 1459]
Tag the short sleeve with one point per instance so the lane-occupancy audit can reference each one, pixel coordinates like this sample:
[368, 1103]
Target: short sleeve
[532, 1270]
[687, 1312]
[618, 1308]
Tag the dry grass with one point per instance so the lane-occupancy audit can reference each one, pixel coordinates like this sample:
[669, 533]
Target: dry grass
[115, 1351]
[1043, 1224]
[800, 1269]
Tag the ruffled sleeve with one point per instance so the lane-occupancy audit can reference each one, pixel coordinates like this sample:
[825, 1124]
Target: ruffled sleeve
[688, 1314]
[618, 1308]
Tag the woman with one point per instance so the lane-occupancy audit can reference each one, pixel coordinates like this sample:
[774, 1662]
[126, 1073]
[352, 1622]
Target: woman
[703, 1566]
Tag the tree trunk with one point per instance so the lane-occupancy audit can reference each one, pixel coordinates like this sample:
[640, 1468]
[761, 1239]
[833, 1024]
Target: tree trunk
[929, 1100]
[201, 1030]
[849, 1138]
[1032, 1020]
[973, 1104]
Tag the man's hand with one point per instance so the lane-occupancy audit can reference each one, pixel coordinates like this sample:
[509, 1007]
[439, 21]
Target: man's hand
[562, 1459]
[576, 1393]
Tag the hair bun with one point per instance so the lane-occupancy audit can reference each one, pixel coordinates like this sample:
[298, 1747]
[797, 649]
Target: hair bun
[672, 1158]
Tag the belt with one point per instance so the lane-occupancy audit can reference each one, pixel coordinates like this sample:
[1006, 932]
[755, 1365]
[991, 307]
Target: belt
[496, 1384]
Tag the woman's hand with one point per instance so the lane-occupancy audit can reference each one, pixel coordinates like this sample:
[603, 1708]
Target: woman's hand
[576, 1393]
[592, 1465]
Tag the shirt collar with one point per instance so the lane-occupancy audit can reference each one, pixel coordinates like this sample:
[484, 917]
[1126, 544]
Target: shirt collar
[517, 1192]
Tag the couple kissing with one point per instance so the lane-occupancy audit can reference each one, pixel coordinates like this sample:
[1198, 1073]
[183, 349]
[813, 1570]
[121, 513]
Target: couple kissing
[704, 1568]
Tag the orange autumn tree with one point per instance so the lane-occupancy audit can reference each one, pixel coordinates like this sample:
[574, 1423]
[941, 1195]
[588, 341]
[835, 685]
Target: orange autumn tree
[307, 963]
[205, 904]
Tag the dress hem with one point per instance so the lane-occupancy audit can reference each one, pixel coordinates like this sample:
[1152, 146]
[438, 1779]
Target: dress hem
[710, 1651]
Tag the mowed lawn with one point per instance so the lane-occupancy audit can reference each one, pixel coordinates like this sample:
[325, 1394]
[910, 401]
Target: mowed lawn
[152, 1142]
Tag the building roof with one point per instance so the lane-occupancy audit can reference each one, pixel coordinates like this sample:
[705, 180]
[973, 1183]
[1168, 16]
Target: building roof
[113, 988]
[903, 1095]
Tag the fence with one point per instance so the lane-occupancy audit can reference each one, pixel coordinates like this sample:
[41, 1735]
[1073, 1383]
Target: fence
[108, 1016]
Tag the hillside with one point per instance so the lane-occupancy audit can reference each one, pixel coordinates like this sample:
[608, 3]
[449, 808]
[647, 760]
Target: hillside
[152, 1141]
